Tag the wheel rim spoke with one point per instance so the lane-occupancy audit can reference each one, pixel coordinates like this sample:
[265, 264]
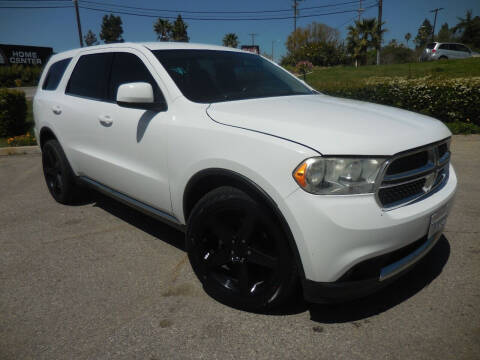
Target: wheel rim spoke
[261, 259]
[243, 280]
[218, 258]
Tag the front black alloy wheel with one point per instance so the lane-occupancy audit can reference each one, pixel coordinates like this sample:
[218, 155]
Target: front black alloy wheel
[58, 174]
[239, 252]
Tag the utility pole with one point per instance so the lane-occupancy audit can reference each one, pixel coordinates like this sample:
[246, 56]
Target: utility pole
[75, 2]
[435, 21]
[360, 10]
[295, 14]
[380, 4]
[253, 38]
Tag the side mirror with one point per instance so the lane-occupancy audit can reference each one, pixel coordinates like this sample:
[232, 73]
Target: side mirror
[138, 95]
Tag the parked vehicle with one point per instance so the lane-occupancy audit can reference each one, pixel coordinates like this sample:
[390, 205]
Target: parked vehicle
[444, 51]
[272, 182]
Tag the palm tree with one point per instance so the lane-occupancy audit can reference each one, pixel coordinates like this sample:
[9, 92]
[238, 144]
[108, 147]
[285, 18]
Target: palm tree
[408, 36]
[353, 42]
[163, 28]
[364, 35]
[230, 40]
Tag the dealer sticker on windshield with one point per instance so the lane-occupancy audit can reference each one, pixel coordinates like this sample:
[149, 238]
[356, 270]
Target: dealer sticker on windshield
[438, 221]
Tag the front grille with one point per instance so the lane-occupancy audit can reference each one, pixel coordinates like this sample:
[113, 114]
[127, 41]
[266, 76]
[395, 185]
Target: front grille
[399, 193]
[414, 174]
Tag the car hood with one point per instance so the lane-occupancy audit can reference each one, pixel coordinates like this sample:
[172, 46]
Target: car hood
[332, 126]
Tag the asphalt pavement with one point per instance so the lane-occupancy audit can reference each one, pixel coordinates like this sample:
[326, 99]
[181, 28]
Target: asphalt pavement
[101, 281]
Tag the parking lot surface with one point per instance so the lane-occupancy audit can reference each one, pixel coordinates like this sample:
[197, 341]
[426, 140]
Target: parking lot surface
[100, 281]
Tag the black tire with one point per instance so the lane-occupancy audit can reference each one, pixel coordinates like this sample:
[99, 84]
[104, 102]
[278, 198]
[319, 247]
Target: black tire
[58, 174]
[239, 252]
[443, 58]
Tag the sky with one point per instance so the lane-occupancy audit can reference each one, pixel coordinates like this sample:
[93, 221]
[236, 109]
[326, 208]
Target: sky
[57, 28]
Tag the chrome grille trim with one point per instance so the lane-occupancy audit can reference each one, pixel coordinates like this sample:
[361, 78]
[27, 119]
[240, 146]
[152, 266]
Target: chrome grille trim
[436, 165]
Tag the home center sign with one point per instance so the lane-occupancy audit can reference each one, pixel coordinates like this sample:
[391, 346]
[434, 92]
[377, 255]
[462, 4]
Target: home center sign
[24, 55]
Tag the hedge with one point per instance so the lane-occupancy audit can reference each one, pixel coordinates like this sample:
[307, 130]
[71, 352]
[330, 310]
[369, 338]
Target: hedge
[19, 75]
[13, 113]
[453, 101]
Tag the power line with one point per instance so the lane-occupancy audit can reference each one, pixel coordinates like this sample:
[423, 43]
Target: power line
[215, 18]
[215, 11]
[354, 18]
[36, 7]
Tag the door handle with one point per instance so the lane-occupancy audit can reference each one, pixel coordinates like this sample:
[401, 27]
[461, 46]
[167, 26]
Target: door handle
[57, 110]
[105, 120]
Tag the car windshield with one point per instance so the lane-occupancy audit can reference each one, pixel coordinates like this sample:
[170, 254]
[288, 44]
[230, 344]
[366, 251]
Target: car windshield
[207, 76]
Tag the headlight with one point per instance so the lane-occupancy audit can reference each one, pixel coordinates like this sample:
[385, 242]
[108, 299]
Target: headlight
[338, 176]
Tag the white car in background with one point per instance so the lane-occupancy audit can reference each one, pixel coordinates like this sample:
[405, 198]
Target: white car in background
[273, 183]
[445, 51]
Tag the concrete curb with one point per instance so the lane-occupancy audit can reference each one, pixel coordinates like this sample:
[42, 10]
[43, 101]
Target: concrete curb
[20, 150]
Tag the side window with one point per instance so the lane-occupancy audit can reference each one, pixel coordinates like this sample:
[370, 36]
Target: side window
[454, 47]
[55, 73]
[463, 48]
[90, 76]
[127, 68]
[445, 47]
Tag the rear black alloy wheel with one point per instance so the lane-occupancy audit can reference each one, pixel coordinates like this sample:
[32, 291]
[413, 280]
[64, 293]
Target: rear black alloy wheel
[58, 174]
[239, 252]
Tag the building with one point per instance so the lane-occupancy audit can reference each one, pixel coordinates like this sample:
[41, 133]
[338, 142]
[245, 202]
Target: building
[24, 55]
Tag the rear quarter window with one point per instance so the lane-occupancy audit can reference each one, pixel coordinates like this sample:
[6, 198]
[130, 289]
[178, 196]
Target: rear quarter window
[55, 73]
[90, 76]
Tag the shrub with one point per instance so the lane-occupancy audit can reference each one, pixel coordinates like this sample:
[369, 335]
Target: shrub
[450, 100]
[13, 113]
[22, 140]
[29, 75]
[303, 67]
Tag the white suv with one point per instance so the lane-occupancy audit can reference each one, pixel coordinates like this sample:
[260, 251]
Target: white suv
[273, 183]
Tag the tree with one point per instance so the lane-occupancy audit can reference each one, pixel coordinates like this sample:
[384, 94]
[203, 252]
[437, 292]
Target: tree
[111, 29]
[90, 38]
[163, 28]
[469, 29]
[445, 34]
[318, 43]
[362, 36]
[408, 36]
[179, 30]
[313, 33]
[230, 40]
[424, 34]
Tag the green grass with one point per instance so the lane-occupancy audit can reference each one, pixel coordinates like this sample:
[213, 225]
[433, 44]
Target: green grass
[327, 77]
[29, 117]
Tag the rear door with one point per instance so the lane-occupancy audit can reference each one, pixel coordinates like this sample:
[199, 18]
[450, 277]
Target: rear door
[85, 99]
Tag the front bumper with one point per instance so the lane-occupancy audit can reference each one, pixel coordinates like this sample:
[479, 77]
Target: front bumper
[335, 233]
[377, 273]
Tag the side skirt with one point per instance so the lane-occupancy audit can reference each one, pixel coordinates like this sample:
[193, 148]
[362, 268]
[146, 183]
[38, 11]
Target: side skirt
[127, 200]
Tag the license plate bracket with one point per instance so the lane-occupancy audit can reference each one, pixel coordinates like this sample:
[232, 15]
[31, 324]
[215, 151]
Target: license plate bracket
[438, 220]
